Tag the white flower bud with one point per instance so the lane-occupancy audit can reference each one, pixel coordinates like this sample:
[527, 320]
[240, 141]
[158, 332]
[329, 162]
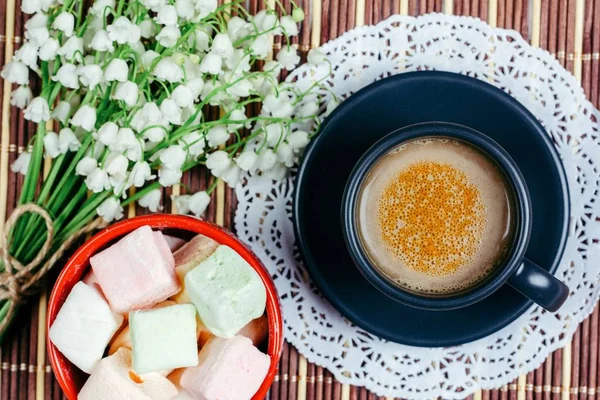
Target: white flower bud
[140, 173]
[261, 47]
[97, 181]
[217, 135]
[85, 117]
[288, 58]
[67, 76]
[21, 97]
[102, 42]
[21, 164]
[127, 92]
[212, 64]
[27, 54]
[61, 111]
[15, 72]
[218, 162]
[247, 161]
[198, 202]
[168, 70]
[168, 36]
[122, 31]
[289, 26]
[48, 51]
[298, 140]
[222, 45]
[86, 166]
[64, 22]
[182, 203]
[90, 75]
[167, 15]
[298, 14]
[194, 143]
[183, 96]
[72, 50]
[51, 144]
[151, 200]
[37, 110]
[110, 209]
[148, 29]
[116, 70]
[169, 176]
[67, 141]
[266, 160]
[173, 157]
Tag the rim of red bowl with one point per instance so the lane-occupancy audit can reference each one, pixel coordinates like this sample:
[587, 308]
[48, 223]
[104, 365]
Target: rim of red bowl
[78, 264]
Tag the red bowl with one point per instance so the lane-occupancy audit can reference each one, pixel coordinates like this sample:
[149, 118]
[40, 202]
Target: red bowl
[70, 378]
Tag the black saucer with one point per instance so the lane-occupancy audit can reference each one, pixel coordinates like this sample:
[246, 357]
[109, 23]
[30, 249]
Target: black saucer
[369, 115]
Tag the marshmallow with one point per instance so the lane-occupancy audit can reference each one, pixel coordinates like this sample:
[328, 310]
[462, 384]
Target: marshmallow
[84, 326]
[113, 379]
[231, 369]
[227, 292]
[175, 378]
[174, 243]
[188, 257]
[164, 338]
[137, 271]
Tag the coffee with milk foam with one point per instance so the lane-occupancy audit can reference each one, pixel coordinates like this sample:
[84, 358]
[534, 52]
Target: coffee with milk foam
[435, 216]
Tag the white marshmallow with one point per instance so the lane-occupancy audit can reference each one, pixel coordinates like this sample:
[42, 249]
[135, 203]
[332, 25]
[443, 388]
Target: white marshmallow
[84, 326]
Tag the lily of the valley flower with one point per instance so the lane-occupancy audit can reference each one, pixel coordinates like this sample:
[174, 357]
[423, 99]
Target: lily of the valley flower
[140, 173]
[116, 165]
[168, 36]
[72, 50]
[148, 29]
[67, 141]
[218, 162]
[168, 70]
[67, 76]
[298, 140]
[90, 75]
[166, 15]
[61, 111]
[37, 110]
[288, 25]
[198, 202]
[127, 92]
[85, 117]
[51, 144]
[183, 96]
[122, 31]
[260, 47]
[266, 160]
[247, 161]
[27, 54]
[102, 42]
[212, 64]
[99, 7]
[65, 22]
[222, 45]
[86, 166]
[97, 181]
[193, 143]
[170, 111]
[205, 7]
[21, 164]
[110, 209]
[151, 200]
[35, 6]
[116, 70]
[15, 72]
[217, 136]
[288, 58]
[169, 176]
[173, 157]
[48, 50]
[21, 97]
[107, 133]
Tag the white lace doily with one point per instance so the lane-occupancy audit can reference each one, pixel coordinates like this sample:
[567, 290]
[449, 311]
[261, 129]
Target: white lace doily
[468, 46]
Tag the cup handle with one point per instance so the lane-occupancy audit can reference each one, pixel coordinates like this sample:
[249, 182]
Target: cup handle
[539, 285]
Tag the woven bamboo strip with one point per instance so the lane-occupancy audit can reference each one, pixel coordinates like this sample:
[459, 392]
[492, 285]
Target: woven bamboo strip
[566, 372]
[6, 89]
[493, 13]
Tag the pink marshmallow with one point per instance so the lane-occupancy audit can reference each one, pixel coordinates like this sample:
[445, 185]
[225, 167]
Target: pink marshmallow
[174, 242]
[136, 272]
[228, 369]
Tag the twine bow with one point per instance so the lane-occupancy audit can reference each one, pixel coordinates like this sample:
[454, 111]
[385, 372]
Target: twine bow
[18, 280]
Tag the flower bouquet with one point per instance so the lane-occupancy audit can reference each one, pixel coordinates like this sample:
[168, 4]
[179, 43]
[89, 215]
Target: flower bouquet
[123, 111]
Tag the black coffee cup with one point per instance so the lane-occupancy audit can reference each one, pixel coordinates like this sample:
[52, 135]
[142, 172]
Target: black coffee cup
[515, 270]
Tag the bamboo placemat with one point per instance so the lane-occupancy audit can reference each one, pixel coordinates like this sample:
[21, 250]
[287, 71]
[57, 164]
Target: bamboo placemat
[569, 29]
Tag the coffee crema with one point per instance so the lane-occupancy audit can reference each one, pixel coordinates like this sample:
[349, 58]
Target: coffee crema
[435, 216]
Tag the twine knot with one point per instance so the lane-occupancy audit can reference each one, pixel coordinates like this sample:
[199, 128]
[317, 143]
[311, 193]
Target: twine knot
[19, 281]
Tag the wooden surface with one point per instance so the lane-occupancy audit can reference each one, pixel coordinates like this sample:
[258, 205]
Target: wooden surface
[569, 29]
